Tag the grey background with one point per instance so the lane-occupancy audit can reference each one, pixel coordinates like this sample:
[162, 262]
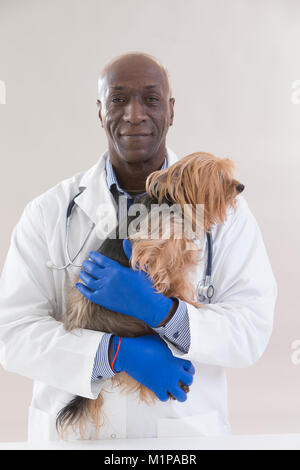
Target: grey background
[232, 65]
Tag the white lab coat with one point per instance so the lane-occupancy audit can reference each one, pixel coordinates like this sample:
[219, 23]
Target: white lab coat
[233, 331]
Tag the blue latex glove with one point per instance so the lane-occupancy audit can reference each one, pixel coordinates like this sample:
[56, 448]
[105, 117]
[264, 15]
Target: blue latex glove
[122, 289]
[150, 362]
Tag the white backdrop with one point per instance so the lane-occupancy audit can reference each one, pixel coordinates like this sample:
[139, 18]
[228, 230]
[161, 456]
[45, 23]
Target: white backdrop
[233, 64]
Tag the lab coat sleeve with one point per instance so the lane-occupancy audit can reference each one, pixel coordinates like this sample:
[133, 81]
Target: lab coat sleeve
[234, 330]
[33, 343]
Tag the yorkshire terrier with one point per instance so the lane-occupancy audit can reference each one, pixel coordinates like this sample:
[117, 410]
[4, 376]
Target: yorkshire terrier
[197, 179]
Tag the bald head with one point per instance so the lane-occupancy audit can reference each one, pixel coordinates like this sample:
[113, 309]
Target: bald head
[136, 109]
[132, 62]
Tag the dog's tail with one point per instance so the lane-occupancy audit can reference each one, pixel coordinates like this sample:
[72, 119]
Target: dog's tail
[77, 413]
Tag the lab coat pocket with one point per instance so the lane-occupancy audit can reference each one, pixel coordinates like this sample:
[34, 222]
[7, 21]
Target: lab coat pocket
[204, 424]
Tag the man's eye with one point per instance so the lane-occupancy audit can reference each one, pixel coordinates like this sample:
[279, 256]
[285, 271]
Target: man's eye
[117, 100]
[153, 98]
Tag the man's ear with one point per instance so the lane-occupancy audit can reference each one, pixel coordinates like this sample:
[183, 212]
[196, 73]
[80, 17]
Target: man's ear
[171, 104]
[99, 104]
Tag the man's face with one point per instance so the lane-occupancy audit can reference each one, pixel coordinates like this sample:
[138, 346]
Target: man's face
[136, 110]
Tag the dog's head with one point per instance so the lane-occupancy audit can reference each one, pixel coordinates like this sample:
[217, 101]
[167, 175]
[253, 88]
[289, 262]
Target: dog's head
[199, 178]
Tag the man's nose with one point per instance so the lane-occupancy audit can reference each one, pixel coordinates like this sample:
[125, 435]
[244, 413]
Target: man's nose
[134, 111]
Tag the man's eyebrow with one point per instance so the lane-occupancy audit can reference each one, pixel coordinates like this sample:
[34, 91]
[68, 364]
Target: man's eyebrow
[120, 88]
[148, 87]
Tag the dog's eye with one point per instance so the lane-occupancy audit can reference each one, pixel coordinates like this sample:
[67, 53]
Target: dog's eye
[240, 188]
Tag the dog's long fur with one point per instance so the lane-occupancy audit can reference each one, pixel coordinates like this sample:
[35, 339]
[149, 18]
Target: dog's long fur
[199, 178]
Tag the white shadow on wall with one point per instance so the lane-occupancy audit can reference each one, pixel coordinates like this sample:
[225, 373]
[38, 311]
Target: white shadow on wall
[2, 92]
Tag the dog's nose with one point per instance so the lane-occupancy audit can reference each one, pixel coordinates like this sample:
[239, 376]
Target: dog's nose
[240, 188]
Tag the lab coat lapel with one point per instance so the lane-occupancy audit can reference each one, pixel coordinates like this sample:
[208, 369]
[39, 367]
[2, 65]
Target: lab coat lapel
[96, 195]
[171, 157]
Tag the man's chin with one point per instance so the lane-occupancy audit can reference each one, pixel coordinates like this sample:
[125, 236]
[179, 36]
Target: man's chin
[137, 155]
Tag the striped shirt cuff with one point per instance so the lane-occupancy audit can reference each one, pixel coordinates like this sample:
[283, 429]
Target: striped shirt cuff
[177, 330]
[102, 367]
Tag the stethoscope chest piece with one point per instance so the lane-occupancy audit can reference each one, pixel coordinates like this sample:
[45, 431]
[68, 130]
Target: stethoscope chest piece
[204, 291]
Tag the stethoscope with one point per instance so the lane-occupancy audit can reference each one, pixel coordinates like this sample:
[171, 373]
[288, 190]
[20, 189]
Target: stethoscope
[204, 290]
[70, 262]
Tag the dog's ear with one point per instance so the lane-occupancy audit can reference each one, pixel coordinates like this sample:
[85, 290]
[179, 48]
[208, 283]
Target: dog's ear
[156, 186]
[216, 173]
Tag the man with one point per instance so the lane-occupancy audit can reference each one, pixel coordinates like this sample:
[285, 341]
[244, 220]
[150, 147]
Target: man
[136, 109]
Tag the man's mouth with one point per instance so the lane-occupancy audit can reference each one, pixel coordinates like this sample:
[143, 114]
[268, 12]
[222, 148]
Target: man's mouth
[135, 135]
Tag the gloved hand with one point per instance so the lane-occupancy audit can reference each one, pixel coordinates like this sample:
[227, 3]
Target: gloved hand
[122, 289]
[150, 362]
